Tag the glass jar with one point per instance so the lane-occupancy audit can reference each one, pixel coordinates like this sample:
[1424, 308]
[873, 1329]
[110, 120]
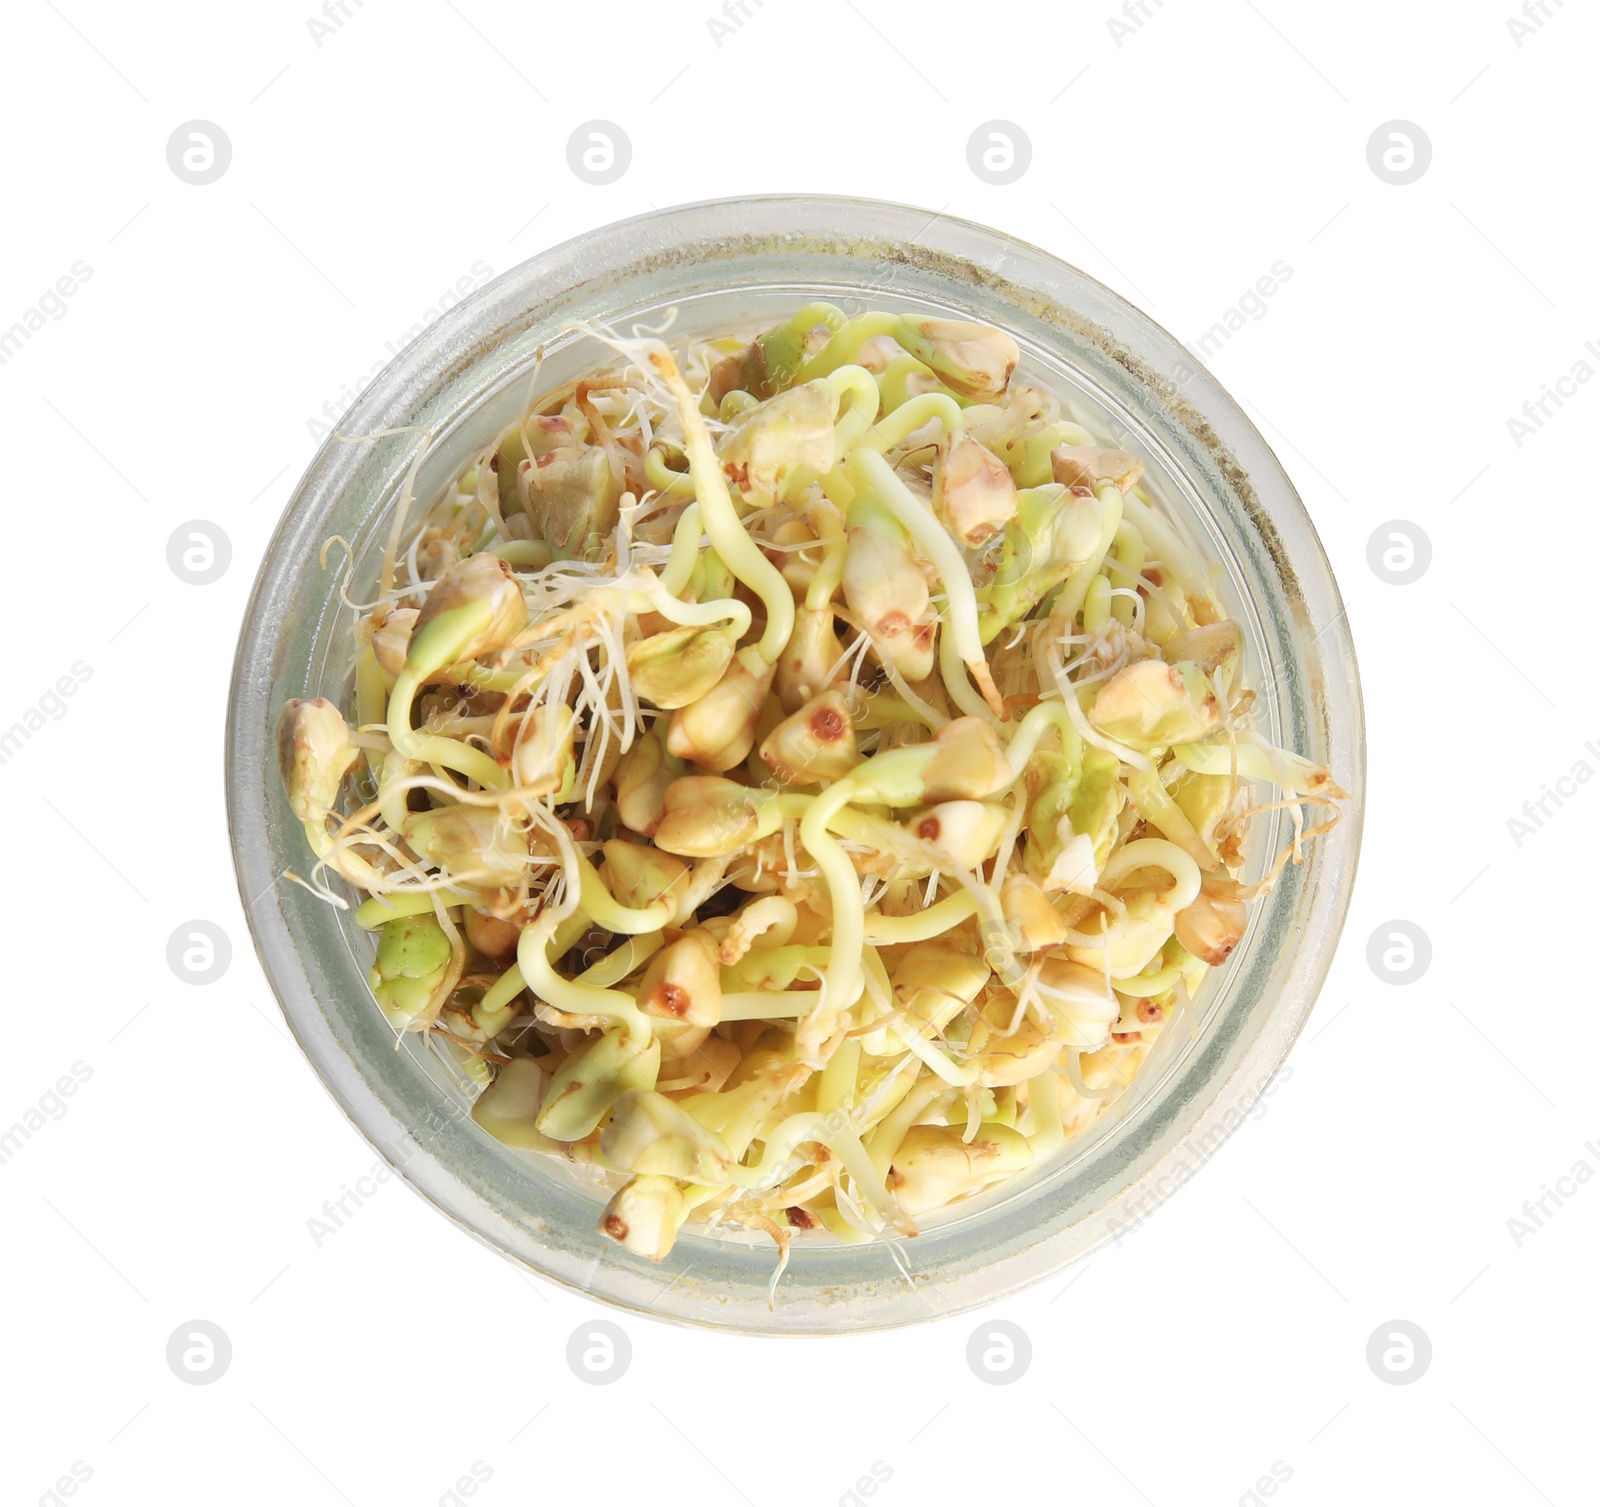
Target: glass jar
[739, 265]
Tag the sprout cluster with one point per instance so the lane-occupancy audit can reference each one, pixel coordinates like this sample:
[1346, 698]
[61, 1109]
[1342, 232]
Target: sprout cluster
[795, 778]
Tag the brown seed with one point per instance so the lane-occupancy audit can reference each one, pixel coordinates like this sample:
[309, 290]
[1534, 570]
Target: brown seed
[975, 360]
[1151, 702]
[391, 637]
[1084, 465]
[706, 817]
[314, 753]
[815, 745]
[718, 730]
[492, 937]
[812, 652]
[1208, 646]
[969, 764]
[673, 668]
[1212, 926]
[639, 875]
[829, 724]
[1025, 904]
[884, 586]
[572, 495]
[642, 778]
[477, 579]
[768, 442]
[672, 999]
[683, 981]
[973, 491]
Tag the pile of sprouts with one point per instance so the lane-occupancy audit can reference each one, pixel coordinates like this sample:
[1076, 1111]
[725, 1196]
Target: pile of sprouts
[795, 779]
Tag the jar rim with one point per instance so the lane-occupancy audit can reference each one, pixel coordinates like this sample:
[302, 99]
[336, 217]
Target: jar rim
[448, 374]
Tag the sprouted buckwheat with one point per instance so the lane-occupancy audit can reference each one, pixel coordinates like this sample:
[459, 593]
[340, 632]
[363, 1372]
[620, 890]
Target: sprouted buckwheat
[795, 779]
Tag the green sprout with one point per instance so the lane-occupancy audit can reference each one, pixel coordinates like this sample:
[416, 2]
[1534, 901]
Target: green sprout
[649, 1133]
[678, 667]
[1051, 534]
[509, 1107]
[584, 1088]
[413, 971]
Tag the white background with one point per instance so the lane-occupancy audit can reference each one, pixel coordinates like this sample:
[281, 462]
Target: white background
[370, 172]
